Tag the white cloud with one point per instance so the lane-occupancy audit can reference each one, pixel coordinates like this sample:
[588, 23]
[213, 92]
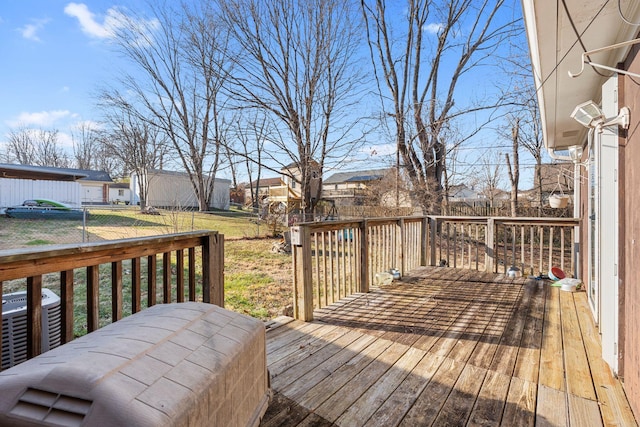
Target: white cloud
[433, 28]
[30, 31]
[42, 118]
[87, 21]
[114, 20]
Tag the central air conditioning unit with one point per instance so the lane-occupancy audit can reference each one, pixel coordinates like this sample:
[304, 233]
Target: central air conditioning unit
[14, 325]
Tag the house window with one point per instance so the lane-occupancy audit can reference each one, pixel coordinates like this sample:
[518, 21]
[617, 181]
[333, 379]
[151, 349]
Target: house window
[336, 187]
[293, 184]
[120, 192]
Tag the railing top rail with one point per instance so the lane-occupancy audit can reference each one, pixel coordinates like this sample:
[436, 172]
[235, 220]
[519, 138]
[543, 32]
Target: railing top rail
[324, 225]
[25, 262]
[506, 220]
[467, 219]
[330, 225]
[510, 220]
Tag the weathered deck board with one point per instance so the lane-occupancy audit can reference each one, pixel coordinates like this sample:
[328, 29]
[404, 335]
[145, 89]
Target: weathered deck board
[374, 397]
[310, 379]
[578, 374]
[528, 361]
[446, 347]
[427, 406]
[342, 399]
[551, 360]
[608, 389]
[402, 398]
[489, 405]
[458, 406]
[330, 385]
[551, 407]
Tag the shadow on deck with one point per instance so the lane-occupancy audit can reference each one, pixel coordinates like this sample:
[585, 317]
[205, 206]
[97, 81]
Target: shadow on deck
[445, 347]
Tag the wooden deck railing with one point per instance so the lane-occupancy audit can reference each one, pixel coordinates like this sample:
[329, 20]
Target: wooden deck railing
[32, 264]
[333, 260]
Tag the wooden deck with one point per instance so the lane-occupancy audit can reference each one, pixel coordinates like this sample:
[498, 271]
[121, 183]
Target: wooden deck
[445, 347]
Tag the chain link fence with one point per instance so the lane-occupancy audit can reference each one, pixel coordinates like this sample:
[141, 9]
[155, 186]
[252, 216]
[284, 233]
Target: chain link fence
[110, 222]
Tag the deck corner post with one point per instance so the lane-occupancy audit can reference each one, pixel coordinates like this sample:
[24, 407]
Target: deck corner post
[213, 269]
[490, 252]
[302, 273]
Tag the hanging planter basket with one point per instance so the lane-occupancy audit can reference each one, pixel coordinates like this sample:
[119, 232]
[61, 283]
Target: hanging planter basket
[558, 201]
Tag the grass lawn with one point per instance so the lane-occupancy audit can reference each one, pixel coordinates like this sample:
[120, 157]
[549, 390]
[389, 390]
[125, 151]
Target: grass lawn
[257, 282]
[110, 223]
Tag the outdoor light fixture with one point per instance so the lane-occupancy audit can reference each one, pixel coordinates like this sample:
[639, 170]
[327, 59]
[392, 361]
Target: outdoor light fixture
[575, 152]
[589, 114]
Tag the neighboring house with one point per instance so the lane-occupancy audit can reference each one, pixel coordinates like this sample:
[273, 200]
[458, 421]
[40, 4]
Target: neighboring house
[95, 187]
[264, 188]
[119, 192]
[70, 186]
[292, 177]
[593, 119]
[462, 193]
[350, 188]
[169, 189]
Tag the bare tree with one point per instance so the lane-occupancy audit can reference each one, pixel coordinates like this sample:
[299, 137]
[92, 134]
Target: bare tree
[20, 147]
[251, 132]
[531, 138]
[419, 74]
[36, 147]
[89, 151]
[138, 145]
[86, 145]
[514, 169]
[182, 62]
[298, 63]
[489, 176]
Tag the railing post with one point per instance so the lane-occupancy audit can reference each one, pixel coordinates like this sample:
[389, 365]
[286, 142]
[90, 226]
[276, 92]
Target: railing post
[213, 269]
[302, 273]
[490, 251]
[364, 257]
[424, 234]
[34, 316]
[93, 301]
[66, 297]
[433, 231]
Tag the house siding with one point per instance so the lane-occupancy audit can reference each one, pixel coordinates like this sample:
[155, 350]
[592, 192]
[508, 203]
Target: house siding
[629, 247]
[15, 191]
[173, 190]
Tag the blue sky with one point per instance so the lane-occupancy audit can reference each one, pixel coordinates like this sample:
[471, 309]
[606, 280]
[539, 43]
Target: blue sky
[54, 55]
